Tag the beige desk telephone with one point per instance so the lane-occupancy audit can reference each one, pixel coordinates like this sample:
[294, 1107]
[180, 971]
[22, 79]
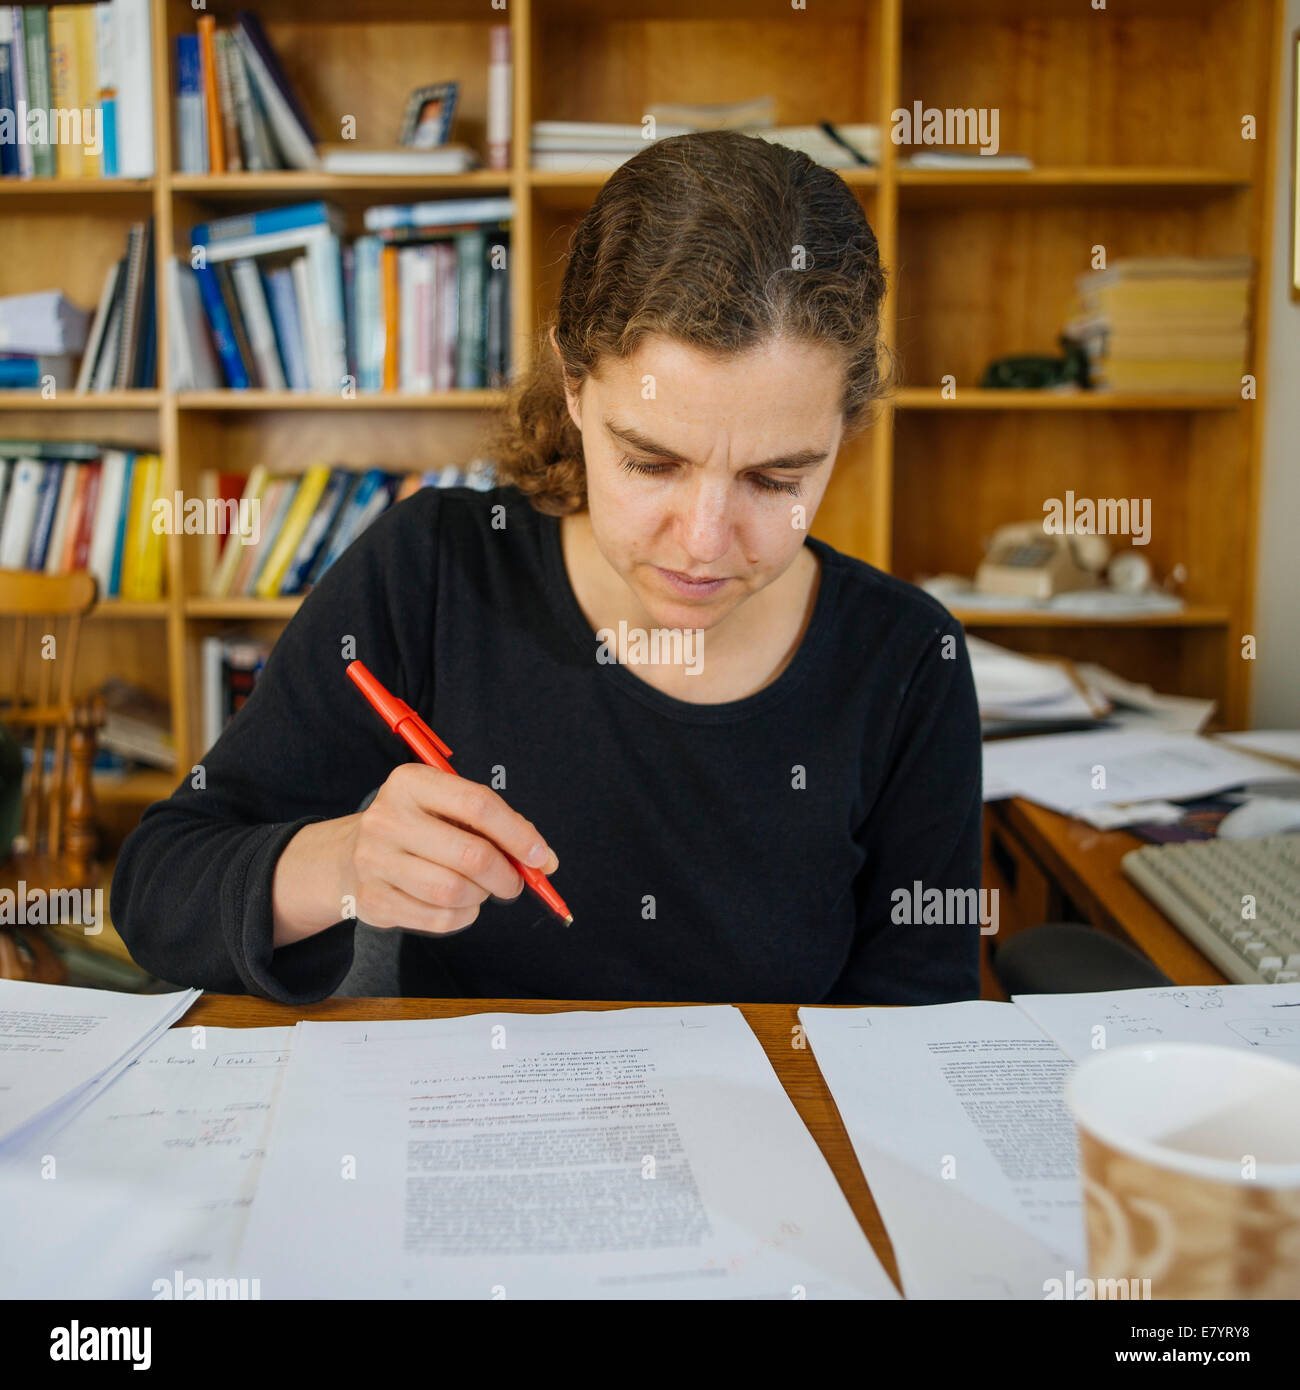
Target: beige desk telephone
[1026, 561]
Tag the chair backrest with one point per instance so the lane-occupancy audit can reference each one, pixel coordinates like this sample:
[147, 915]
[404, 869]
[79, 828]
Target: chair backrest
[36, 692]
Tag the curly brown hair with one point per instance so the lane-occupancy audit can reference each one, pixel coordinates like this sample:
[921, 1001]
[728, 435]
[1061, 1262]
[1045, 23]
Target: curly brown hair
[719, 240]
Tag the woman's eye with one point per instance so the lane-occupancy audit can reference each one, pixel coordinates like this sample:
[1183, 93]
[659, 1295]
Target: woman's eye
[763, 483]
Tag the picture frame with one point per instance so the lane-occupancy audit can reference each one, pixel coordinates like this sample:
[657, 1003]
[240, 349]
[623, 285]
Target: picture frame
[429, 115]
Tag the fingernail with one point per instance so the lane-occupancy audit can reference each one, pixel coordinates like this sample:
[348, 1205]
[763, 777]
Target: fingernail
[537, 855]
[552, 863]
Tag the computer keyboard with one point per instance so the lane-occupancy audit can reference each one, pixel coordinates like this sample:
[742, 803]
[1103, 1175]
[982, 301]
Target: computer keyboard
[1238, 901]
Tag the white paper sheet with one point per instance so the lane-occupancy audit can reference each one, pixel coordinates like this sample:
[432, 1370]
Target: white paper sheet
[55, 1040]
[151, 1181]
[1263, 1018]
[956, 1116]
[632, 1153]
[1068, 772]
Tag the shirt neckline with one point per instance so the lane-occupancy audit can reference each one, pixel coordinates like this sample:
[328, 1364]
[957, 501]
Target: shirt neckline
[575, 623]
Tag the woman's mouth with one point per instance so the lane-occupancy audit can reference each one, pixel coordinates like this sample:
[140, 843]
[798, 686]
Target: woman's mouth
[683, 584]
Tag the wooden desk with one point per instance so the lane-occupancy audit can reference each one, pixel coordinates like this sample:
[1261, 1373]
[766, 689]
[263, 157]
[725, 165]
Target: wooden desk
[773, 1025]
[1039, 860]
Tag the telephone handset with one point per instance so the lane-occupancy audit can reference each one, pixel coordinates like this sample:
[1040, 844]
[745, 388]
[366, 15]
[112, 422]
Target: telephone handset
[1026, 561]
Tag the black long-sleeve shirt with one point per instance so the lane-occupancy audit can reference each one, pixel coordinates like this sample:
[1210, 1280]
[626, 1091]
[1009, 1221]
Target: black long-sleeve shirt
[750, 851]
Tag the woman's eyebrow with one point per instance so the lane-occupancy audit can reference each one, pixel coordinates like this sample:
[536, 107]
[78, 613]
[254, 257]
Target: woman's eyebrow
[805, 458]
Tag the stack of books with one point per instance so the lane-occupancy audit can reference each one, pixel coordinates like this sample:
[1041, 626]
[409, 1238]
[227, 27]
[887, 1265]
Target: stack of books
[277, 300]
[76, 81]
[122, 346]
[41, 334]
[235, 109]
[1165, 323]
[68, 506]
[231, 666]
[292, 527]
[598, 147]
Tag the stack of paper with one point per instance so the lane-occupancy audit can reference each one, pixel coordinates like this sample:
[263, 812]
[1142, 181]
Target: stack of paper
[56, 1043]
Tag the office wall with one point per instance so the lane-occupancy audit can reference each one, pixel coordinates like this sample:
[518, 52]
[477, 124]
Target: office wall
[1277, 601]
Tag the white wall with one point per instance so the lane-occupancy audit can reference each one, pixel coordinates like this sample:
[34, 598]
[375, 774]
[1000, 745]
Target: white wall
[1277, 595]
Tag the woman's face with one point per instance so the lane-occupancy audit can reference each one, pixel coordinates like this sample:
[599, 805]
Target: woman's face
[736, 453]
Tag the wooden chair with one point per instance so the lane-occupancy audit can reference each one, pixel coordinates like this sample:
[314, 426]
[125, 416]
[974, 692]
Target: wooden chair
[56, 845]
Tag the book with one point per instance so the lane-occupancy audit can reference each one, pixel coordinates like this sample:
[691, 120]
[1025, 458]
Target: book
[257, 317]
[191, 121]
[283, 302]
[223, 333]
[351, 158]
[36, 35]
[62, 514]
[195, 366]
[96, 337]
[20, 86]
[306, 498]
[232, 556]
[293, 132]
[106, 76]
[25, 488]
[45, 323]
[207, 25]
[133, 56]
[222, 46]
[122, 520]
[108, 508]
[47, 500]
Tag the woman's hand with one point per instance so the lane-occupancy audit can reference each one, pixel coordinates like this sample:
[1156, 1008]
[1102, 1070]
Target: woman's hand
[423, 855]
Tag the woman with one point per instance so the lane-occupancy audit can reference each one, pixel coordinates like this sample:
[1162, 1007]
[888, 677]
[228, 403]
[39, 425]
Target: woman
[737, 750]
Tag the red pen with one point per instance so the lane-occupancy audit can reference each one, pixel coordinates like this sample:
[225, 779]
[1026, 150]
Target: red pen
[429, 748]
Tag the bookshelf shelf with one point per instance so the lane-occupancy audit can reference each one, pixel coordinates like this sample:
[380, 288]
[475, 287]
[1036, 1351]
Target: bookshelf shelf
[66, 400]
[1085, 183]
[241, 608]
[253, 400]
[307, 183]
[1192, 616]
[1111, 107]
[129, 608]
[983, 398]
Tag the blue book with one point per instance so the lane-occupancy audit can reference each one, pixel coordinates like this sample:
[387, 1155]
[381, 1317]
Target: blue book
[123, 519]
[191, 125]
[223, 332]
[345, 532]
[261, 223]
[43, 521]
[283, 303]
[8, 149]
[18, 373]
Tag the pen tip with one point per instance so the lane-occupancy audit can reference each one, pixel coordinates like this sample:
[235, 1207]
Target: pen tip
[568, 921]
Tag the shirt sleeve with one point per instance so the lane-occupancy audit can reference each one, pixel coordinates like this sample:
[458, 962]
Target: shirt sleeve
[923, 833]
[191, 894]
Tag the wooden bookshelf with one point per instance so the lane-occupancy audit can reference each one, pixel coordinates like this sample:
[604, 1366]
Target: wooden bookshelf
[1133, 120]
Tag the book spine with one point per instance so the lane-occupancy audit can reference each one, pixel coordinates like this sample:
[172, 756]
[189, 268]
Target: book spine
[500, 88]
[191, 127]
[62, 516]
[258, 154]
[36, 33]
[257, 318]
[229, 297]
[133, 55]
[104, 531]
[302, 292]
[288, 330]
[389, 272]
[86, 521]
[87, 99]
[326, 271]
[448, 282]
[471, 257]
[369, 314]
[223, 334]
[43, 521]
[106, 65]
[9, 165]
[122, 519]
[294, 139]
[297, 518]
[226, 101]
[207, 27]
[22, 92]
[20, 512]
